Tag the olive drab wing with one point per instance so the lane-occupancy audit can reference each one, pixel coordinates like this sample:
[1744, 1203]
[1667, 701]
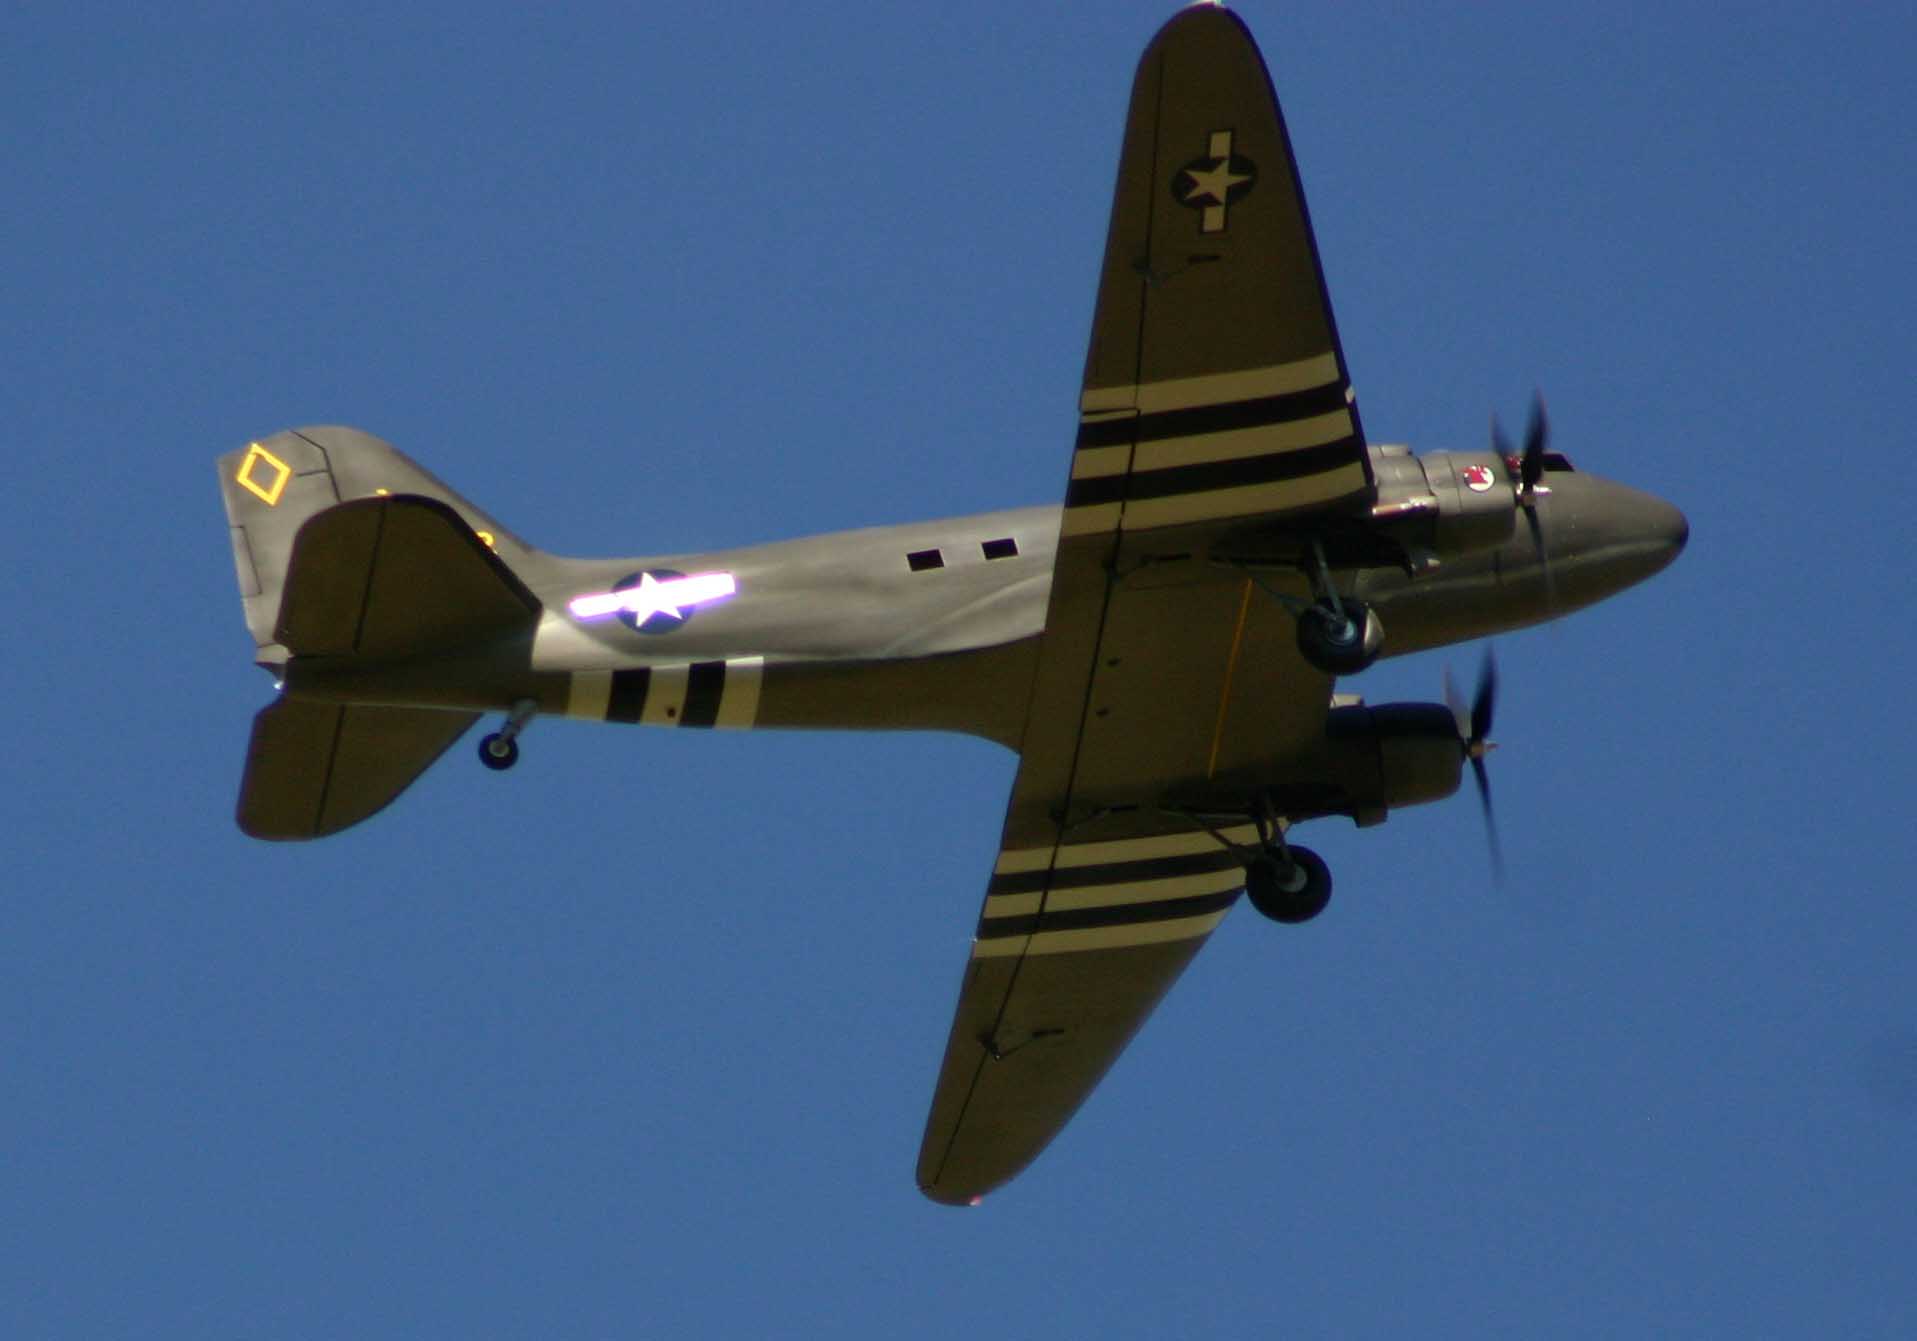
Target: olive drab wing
[1215, 395]
[1215, 387]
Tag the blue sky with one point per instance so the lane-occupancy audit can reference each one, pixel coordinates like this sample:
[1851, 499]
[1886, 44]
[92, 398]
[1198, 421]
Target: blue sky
[638, 1039]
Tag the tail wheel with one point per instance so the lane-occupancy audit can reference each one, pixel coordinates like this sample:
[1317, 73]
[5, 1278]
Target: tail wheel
[1292, 885]
[498, 752]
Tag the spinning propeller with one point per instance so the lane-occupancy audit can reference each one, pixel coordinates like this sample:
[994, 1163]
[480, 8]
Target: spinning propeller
[1474, 731]
[1530, 468]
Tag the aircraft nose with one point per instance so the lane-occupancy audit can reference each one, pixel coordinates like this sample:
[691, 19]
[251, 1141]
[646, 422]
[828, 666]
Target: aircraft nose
[1611, 536]
[1630, 533]
[1665, 529]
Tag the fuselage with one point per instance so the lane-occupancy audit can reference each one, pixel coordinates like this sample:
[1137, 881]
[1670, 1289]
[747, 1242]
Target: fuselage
[935, 625]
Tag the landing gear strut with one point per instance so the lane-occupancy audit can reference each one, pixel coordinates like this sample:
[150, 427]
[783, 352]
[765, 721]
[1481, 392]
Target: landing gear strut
[500, 750]
[1285, 882]
[1340, 636]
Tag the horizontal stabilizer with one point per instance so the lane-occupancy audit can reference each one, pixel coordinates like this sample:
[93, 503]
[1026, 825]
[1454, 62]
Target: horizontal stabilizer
[313, 769]
[395, 576]
[391, 578]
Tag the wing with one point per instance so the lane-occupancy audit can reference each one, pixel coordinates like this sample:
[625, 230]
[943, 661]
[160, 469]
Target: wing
[1215, 387]
[1076, 945]
[1215, 398]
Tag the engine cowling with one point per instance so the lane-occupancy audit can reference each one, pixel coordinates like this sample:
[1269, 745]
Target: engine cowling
[1445, 503]
[1477, 506]
[1393, 754]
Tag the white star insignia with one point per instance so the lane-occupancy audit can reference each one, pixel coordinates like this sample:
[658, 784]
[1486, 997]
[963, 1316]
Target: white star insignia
[1215, 181]
[650, 602]
[1209, 184]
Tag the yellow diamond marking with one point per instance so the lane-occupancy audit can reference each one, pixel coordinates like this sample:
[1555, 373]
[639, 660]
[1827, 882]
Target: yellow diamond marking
[268, 494]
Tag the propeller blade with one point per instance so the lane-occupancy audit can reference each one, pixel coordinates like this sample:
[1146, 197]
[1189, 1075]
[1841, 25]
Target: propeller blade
[1483, 776]
[1536, 434]
[1544, 556]
[1459, 712]
[1474, 730]
[1530, 471]
[1485, 702]
[1499, 443]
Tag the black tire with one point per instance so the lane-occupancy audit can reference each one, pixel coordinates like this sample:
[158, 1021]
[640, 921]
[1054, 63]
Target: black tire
[498, 754]
[1340, 646]
[1298, 899]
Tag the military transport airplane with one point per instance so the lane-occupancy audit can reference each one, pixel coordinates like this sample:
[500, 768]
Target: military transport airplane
[1160, 650]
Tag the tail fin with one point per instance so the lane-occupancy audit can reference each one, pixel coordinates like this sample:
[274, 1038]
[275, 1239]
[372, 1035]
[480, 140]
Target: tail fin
[273, 486]
[335, 573]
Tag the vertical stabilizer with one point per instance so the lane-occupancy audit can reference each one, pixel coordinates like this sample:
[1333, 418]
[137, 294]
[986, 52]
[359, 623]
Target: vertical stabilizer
[273, 486]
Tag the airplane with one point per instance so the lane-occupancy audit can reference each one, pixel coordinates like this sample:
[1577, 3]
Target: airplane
[1161, 649]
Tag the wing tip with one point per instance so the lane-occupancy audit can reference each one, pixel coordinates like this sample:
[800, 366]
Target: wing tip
[946, 1196]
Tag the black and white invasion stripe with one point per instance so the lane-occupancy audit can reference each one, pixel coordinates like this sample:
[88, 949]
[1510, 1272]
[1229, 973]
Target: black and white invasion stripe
[1221, 445]
[702, 693]
[1108, 895]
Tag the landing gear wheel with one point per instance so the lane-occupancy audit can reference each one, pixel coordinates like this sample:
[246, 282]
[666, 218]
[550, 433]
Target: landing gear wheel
[1340, 644]
[498, 752]
[1292, 885]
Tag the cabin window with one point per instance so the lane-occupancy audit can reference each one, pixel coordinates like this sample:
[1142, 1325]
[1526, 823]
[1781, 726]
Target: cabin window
[1000, 549]
[922, 559]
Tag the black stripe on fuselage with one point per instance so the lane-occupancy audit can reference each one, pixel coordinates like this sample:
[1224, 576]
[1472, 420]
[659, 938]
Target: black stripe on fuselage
[1210, 475]
[627, 701]
[1198, 420]
[1124, 914]
[1115, 873]
[705, 686]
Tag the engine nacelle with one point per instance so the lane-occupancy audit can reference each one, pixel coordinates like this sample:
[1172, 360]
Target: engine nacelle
[1477, 504]
[1393, 754]
[1445, 503]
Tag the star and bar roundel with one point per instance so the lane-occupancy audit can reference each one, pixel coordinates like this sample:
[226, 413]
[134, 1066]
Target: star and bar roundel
[655, 600]
[1213, 184]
